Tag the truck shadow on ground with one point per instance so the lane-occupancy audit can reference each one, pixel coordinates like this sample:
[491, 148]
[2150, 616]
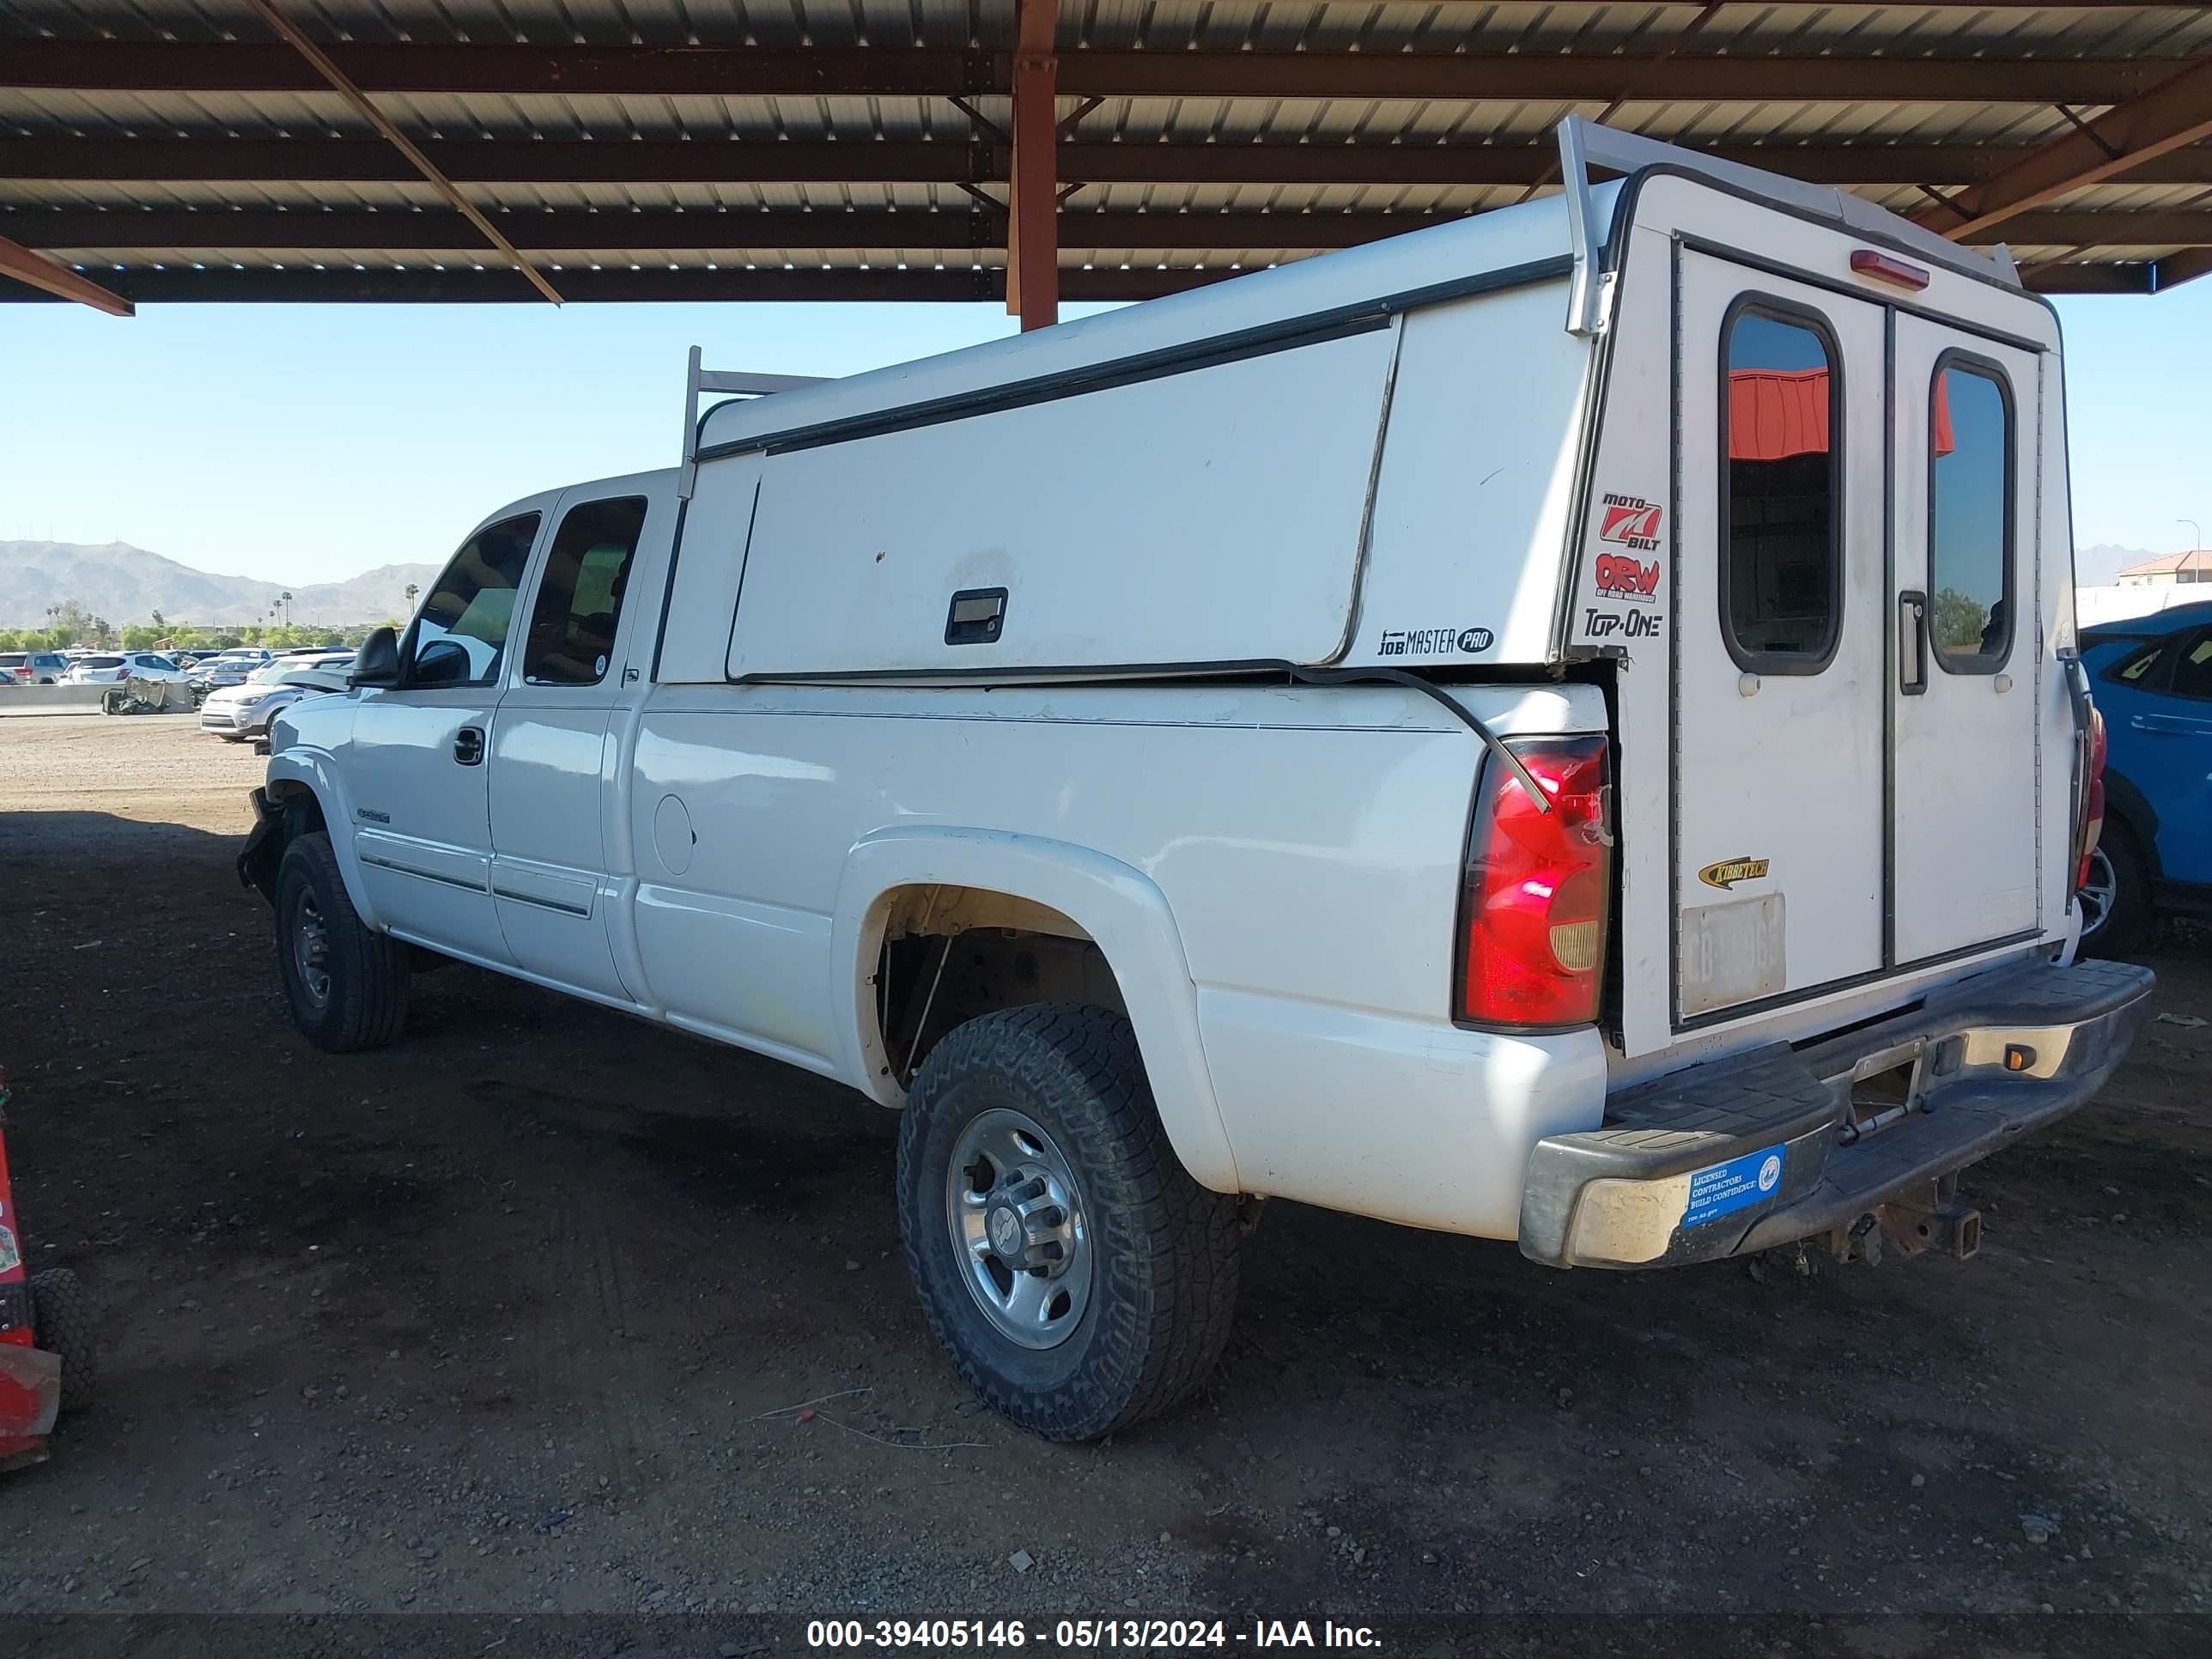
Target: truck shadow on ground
[541, 1259]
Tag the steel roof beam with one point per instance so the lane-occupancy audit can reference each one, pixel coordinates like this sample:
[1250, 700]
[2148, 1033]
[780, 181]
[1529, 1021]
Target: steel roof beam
[493, 285]
[633, 161]
[707, 228]
[987, 286]
[48, 276]
[367, 109]
[2120, 143]
[616, 70]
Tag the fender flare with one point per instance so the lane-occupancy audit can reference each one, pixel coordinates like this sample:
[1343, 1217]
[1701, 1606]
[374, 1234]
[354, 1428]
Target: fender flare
[1120, 906]
[311, 768]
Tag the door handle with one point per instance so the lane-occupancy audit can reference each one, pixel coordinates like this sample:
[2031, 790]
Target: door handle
[468, 745]
[1911, 642]
[2173, 724]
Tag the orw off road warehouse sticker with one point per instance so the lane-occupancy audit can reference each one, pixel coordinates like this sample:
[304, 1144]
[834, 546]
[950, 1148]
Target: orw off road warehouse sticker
[1625, 566]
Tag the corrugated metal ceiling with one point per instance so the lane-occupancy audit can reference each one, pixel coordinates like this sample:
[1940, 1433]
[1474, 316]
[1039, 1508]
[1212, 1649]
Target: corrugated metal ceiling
[1182, 155]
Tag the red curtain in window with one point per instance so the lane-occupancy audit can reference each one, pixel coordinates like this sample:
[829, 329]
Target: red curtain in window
[1774, 413]
[1939, 416]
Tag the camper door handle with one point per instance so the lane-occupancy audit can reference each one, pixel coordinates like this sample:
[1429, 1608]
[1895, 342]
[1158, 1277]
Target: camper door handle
[1912, 642]
[468, 745]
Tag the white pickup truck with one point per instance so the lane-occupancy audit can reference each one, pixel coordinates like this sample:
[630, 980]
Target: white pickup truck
[1558, 727]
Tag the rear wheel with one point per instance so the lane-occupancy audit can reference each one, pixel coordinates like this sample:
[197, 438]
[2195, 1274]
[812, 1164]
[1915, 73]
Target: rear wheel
[2117, 918]
[61, 1323]
[1078, 1276]
[346, 983]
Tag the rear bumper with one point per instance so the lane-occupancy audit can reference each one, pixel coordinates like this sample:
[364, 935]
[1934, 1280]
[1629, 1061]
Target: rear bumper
[1763, 1149]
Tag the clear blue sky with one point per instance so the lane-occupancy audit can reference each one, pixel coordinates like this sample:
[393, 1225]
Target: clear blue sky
[307, 443]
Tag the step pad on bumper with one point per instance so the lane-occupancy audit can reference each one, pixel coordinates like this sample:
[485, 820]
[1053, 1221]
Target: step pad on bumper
[1744, 1154]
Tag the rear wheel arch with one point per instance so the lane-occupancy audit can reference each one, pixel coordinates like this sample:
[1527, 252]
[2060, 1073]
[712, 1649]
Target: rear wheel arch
[1085, 920]
[2132, 808]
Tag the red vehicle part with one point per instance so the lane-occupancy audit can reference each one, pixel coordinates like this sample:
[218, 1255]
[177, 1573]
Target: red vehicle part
[30, 1378]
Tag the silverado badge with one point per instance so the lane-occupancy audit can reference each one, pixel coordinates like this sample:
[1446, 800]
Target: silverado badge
[1729, 871]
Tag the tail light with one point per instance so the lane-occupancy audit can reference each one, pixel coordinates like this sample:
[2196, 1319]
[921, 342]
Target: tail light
[1538, 886]
[2086, 833]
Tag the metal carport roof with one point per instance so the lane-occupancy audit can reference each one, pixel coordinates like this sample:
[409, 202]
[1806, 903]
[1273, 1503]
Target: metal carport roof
[415, 149]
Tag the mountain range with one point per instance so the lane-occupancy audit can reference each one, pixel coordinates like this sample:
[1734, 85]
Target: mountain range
[2099, 566]
[127, 584]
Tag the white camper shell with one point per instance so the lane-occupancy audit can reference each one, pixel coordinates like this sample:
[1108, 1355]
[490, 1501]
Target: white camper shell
[1560, 726]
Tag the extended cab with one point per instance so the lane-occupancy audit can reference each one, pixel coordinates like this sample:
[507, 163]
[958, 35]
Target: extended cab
[1558, 727]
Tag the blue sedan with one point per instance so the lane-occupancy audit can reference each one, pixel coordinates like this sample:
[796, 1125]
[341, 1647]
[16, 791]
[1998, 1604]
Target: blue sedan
[2151, 677]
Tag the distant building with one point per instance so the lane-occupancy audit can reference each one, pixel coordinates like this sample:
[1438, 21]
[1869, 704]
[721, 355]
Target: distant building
[2169, 567]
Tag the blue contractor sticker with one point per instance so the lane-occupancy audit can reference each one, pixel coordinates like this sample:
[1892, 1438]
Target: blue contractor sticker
[1724, 1187]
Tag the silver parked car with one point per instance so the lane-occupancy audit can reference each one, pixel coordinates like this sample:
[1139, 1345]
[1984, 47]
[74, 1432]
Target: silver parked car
[32, 667]
[114, 668]
[231, 668]
[242, 711]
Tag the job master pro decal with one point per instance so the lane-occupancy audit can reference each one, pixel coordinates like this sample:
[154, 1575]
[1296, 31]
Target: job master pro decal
[1434, 641]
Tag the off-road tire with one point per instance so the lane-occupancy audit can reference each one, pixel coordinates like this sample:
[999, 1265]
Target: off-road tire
[366, 1003]
[62, 1323]
[1164, 1249]
[2130, 924]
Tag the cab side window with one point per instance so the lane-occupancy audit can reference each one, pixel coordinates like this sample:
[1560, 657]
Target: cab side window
[460, 636]
[579, 606]
[1970, 530]
[1782, 570]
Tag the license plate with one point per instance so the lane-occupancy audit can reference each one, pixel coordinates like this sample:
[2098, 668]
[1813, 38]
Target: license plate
[1732, 953]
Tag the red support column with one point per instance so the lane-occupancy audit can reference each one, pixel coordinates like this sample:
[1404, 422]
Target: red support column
[1033, 207]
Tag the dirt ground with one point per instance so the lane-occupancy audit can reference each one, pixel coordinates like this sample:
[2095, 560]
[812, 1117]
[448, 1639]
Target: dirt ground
[516, 1318]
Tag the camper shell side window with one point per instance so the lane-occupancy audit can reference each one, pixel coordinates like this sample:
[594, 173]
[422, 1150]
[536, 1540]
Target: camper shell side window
[1970, 513]
[1782, 566]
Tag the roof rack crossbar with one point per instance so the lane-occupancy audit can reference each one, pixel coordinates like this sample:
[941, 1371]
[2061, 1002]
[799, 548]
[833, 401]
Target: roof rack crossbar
[733, 382]
[1584, 145]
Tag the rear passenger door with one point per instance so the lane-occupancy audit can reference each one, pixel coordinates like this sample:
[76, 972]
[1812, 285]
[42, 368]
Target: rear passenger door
[1964, 692]
[2176, 740]
[585, 650]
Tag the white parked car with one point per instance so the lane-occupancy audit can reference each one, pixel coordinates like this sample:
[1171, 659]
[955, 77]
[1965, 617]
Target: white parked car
[1558, 727]
[112, 668]
[245, 710]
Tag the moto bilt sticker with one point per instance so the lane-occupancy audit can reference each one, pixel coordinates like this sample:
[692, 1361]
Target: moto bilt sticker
[1434, 641]
[1628, 526]
[1629, 522]
[1724, 873]
[1719, 1188]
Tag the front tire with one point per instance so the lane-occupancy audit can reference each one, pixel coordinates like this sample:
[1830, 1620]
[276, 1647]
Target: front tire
[62, 1324]
[1079, 1279]
[345, 983]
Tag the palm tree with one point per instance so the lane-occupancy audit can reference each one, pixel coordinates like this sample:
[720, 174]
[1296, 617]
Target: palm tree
[412, 590]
